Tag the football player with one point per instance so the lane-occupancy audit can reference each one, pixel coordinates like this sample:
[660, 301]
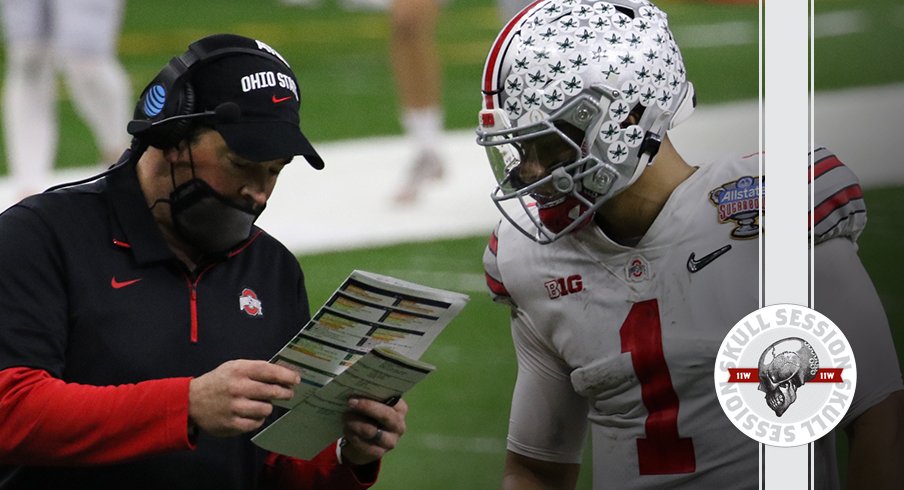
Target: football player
[625, 266]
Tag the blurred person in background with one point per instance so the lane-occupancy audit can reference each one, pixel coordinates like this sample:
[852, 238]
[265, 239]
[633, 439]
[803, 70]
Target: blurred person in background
[77, 38]
[418, 75]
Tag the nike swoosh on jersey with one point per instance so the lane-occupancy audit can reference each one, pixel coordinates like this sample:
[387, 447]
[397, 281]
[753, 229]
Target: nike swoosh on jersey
[694, 265]
[121, 284]
[281, 99]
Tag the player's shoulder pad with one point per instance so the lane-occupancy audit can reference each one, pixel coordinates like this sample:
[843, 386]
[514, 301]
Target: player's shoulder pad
[838, 206]
[498, 292]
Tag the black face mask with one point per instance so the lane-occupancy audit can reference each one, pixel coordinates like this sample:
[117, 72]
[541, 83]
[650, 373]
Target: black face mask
[207, 220]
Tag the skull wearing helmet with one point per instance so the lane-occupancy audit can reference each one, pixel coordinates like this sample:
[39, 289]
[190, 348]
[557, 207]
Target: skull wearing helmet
[784, 367]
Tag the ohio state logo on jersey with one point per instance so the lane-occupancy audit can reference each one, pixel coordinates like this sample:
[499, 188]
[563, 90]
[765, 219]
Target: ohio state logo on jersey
[563, 286]
[740, 201]
[249, 303]
[637, 269]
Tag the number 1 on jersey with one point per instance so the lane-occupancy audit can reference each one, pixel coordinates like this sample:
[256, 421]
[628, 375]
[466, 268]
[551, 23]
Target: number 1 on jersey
[662, 451]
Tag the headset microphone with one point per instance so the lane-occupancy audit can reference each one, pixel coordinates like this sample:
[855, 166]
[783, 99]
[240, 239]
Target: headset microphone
[225, 112]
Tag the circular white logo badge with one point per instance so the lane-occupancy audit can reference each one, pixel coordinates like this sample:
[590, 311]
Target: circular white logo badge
[785, 375]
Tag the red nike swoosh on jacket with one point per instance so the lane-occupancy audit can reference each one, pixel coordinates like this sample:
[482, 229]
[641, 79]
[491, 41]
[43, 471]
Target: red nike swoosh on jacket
[281, 99]
[121, 284]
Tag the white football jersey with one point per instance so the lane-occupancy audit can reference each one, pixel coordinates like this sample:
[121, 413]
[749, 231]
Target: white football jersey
[626, 337]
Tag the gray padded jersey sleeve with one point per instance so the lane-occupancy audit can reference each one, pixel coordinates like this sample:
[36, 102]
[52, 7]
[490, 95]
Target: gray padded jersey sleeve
[844, 292]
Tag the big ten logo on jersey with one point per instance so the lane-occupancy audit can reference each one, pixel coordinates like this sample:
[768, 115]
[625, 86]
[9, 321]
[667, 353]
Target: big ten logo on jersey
[563, 286]
[265, 79]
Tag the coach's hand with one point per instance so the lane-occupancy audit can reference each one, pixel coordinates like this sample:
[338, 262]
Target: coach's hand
[371, 429]
[235, 397]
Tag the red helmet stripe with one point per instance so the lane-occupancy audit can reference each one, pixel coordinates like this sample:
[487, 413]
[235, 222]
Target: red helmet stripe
[491, 68]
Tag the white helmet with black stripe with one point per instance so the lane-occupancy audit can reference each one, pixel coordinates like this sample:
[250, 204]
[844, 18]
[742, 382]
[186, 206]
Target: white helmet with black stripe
[605, 76]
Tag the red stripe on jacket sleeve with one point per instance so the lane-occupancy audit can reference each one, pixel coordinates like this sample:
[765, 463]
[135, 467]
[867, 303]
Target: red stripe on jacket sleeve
[838, 200]
[50, 422]
[324, 471]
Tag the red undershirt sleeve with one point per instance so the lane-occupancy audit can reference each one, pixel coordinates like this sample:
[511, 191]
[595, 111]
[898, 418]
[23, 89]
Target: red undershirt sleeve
[47, 421]
[323, 472]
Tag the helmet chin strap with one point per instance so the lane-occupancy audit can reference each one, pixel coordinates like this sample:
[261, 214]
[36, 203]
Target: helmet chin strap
[648, 149]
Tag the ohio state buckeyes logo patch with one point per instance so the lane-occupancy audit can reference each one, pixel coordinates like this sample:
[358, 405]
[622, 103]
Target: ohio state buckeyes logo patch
[249, 303]
[785, 375]
[637, 269]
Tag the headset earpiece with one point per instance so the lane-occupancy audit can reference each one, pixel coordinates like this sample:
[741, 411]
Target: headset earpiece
[170, 133]
[168, 95]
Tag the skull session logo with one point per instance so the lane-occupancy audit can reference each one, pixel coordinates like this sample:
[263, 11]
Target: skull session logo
[785, 375]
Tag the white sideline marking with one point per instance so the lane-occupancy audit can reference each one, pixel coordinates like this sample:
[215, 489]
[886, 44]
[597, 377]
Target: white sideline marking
[842, 23]
[714, 35]
[740, 33]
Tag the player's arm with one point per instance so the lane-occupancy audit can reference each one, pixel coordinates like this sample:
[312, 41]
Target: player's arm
[548, 420]
[524, 473]
[844, 292]
[541, 455]
[876, 446]
[875, 421]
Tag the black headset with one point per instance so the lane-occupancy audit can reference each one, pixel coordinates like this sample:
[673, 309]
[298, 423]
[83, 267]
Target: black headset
[166, 107]
[165, 110]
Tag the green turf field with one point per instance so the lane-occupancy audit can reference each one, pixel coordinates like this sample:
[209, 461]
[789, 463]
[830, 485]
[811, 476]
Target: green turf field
[459, 415]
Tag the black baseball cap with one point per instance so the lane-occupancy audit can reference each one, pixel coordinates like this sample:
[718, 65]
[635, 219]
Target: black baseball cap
[257, 79]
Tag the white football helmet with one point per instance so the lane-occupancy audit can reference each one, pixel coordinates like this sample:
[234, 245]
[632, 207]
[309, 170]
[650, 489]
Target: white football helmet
[607, 73]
